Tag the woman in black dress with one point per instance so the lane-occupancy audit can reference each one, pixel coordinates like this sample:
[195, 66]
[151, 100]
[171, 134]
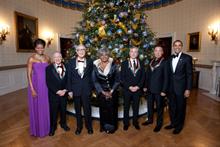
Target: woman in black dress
[106, 80]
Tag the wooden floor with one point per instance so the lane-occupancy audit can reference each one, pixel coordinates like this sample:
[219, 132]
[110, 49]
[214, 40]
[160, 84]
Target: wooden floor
[202, 128]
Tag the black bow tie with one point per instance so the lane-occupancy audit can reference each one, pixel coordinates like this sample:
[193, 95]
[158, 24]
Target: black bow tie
[59, 66]
[80, 61]
[175, 55]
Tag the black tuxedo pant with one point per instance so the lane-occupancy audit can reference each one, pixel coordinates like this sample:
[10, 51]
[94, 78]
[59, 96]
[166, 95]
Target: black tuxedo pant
[135, 99]
[177, 109]
[58, 104]
[108, 110]
[83, 102]
[151, 99]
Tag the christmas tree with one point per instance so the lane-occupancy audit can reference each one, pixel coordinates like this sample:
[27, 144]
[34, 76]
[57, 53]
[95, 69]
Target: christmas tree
[116, 25]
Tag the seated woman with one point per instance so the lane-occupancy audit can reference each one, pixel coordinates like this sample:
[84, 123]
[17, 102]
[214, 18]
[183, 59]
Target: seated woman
[106, 80]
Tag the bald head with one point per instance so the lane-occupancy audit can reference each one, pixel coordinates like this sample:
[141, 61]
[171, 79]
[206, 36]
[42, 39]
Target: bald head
[57, 57]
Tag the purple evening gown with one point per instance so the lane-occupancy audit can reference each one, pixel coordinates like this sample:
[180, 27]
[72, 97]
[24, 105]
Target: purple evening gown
[39, 105]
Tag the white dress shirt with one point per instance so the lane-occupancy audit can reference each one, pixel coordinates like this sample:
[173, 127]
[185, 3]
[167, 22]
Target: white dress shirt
[80, 66]
[175, 61]
[132, 63]
[60, 70]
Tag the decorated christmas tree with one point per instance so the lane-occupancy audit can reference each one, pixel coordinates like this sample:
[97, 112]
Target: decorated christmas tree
[116, 25]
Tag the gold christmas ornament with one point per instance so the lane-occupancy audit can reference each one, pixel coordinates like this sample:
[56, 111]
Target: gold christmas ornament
[137, 16]
[123, 49]
[102, 32]
[94, 2]
[87, 24]
[123, 26]
[134, 26]
[81, 39]
[135, 42]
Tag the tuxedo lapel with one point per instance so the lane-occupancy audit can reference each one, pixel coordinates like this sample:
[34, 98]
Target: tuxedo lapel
[171, 65]
[74, 65]
[129, 67]
[55, 72]
[179, 62]
[73, 68]
[87, 66]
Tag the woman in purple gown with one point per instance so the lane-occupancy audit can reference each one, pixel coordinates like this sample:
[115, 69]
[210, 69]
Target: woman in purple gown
[37, 91]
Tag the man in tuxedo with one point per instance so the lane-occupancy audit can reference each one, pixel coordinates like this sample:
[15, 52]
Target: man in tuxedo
[56, 78]
[156, 85]
[132, 78]
[180, 78]
[80, 86]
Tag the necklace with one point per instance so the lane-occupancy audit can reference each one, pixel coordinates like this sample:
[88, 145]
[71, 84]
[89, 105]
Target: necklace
[40, 57]
[103, 65]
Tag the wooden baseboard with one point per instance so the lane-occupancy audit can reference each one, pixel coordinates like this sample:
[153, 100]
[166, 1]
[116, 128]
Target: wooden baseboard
[203, 66]
[2, 68]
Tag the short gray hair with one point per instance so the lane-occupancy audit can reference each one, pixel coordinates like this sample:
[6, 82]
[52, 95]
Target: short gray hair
[80, 46]
[134, 47]
[103, 51]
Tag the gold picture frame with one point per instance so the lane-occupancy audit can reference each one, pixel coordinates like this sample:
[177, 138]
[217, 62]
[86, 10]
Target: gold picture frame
[194, 42]
[26, 32]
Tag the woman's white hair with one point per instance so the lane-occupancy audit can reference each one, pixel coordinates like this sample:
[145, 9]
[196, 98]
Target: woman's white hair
[103, 51]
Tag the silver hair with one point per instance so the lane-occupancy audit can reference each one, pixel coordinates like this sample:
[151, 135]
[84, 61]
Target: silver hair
[57, 52]
[103, 51]
[80, 46]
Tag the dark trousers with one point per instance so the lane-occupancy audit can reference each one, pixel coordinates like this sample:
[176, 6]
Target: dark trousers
[135, 99]
[159, 107]
[177, 110]
[83, 101]
[56, 105]
[108, 110]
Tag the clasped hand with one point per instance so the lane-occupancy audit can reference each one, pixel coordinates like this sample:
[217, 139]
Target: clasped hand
[61, 92]
[107, 94]
[133, 88]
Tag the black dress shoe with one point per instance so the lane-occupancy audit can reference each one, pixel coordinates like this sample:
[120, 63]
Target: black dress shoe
[78, 131]
[169, 127]
[65, 127]
[177, 131]
[137, 127]
[157, 128]
[147, 123]
[90, 131]
[125, 127]
[51, 133]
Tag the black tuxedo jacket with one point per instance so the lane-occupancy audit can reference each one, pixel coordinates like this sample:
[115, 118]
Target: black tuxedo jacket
[127, 77]
[156, 81]
[80, 86]
[181, 79]
[54, 82]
